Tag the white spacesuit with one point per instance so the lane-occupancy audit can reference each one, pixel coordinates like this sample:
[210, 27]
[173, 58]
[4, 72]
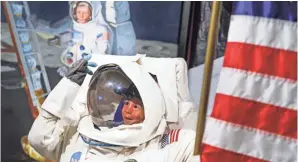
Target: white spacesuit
[92, 28]
[90, 32]
[80, 119]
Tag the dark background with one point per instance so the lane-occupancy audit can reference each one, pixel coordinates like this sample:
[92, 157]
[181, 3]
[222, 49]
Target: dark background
[16, 118]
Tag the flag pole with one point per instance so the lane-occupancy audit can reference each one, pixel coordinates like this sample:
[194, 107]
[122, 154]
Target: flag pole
[211, 49]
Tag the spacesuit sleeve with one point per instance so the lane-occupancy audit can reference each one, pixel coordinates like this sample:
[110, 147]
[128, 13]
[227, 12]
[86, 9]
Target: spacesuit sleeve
[55, 121]
[61, 97]
[102, 40]
[48, 134]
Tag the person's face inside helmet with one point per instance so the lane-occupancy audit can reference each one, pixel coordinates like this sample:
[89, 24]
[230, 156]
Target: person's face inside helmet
[133, 112]
[113, 99]
[83, 13]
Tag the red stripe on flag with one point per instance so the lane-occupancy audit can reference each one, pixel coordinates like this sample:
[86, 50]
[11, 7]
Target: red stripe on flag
[257, 115]
[172, 135]
[214, 154]
[106, 36]
[177, 135]
[261, 59]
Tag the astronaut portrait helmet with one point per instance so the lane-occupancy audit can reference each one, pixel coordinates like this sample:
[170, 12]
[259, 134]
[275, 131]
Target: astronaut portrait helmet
[113, 99]
[81, 11]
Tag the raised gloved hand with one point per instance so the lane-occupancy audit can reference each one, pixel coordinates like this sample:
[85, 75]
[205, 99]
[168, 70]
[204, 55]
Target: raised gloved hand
[78, 71]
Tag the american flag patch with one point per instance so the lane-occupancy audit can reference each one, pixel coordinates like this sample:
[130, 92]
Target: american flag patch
[173, 135]
[165, 140]
[170, 137]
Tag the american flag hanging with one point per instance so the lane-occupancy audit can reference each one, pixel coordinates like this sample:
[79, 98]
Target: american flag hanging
[254, 117]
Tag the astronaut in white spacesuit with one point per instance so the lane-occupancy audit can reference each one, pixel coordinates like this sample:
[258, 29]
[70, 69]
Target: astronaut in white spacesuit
[90, 33]
[118, 113]
[89, 26]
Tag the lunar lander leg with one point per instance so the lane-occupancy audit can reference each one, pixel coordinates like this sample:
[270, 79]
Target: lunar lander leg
[26, 47]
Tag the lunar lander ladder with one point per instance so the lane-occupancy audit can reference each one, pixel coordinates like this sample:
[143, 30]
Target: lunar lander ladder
[12, 14]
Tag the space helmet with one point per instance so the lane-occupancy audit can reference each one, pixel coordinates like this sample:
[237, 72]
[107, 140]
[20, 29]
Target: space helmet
[109, 90]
